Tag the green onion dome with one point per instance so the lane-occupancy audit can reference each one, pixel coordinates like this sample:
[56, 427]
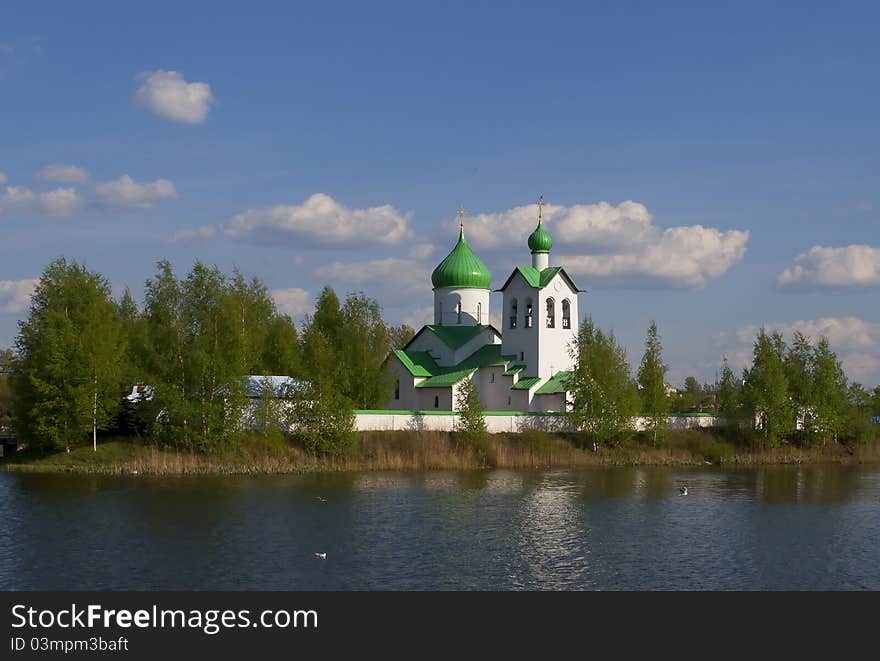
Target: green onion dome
[461, 269]
[540, 240]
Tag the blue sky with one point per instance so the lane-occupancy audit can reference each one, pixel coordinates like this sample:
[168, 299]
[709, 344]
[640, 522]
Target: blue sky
[333, 144]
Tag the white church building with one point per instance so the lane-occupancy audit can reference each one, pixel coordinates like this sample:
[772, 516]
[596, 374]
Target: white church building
[522, 367]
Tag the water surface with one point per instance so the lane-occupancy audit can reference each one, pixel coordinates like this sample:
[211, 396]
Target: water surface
[812, 527]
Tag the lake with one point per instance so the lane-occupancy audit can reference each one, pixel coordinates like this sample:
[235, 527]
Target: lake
[814, 527]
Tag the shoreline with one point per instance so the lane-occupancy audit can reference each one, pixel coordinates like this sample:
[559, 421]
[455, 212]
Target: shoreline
[426, 451]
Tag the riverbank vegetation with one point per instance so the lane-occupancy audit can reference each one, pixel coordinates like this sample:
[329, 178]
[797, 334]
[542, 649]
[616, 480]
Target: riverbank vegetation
[194, 340]
[415, 451]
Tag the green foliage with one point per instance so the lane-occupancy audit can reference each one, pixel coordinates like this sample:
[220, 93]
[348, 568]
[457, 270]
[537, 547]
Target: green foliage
[70, 355]
[830, 392]
[766, 389]
[399, 336]
[322, 419]
[728, 395]
[367, 343]
[652, 384]
[470, 425]
[605, 398]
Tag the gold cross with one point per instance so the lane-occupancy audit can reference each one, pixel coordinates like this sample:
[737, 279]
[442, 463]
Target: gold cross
[540, 205]
[461, 216]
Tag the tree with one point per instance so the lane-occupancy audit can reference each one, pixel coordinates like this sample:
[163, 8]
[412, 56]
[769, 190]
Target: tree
[470, 425]
[363, 353]
[604, 396]
[321, 416]
[399, 336]
[281, 352]
[829, 391]
[70, 354]
[798, 366]
[728, 394]
[652, 384]
[765, 389]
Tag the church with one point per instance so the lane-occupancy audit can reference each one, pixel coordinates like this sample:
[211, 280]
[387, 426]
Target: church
[522, 367]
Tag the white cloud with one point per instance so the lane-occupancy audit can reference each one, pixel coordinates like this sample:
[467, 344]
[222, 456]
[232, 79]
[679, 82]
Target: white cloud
[832, 268]
[419, 317]
[619, 244]
[421, 251]
[204, 232]
[125, 193]
[64, 173]
[292, 301]
[166, 94]
[321, 221]
[391, 274]
[856, 342]
[2, 178]
[678, 257]
[59, 202]
[16, 294]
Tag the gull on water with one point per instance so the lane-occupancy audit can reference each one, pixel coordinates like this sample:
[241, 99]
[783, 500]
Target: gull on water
[321, 556]
[682, 491]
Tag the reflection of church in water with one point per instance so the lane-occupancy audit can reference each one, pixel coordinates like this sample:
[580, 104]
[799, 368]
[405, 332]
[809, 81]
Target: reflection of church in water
[523, 369]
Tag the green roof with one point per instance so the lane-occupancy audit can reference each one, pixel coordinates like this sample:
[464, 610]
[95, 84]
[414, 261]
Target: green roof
[556, 383]
[540, 279]
[516, 369]
[454, 337]
[446, 380]
[420, 363]
[526, 383]
[540, 240]
[461, 269]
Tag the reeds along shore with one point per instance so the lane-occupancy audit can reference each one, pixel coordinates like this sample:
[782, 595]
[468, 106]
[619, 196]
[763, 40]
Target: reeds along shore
[415, 451]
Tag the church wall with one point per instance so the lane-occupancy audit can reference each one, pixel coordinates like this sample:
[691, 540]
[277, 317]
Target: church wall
[554, 343]
[408, 392]
[493, 394]
[425, 398]
[474, 307]
[520, 340]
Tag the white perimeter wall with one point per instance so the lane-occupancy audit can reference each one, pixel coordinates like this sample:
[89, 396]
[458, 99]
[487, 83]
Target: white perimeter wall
[386, 421]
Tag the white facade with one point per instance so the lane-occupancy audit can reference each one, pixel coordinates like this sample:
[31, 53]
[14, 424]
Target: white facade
[461, 307]
[540, 324]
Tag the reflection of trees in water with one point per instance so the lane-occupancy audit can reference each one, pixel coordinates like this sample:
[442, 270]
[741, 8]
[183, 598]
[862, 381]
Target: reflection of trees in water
[807, 484]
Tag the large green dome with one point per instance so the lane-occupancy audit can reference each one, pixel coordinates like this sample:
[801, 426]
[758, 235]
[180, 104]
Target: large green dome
[461, 269]
[540, 240]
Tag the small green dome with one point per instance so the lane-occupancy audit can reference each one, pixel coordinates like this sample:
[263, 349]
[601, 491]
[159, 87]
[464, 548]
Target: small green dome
[540, 240]
[461, 269]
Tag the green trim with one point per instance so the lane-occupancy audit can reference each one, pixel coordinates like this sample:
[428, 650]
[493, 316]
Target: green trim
[526, 383]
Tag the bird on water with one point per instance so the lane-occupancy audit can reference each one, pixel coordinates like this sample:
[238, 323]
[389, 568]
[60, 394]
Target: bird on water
[321, 556]
[682, 491]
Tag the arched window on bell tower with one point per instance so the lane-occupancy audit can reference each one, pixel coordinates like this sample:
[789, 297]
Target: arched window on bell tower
[458, 312]
[528, 321]
[513, 313]
[479, 313]
[551, 313]
[566, 314]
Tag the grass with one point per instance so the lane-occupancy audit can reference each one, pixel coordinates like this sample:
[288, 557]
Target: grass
[415, 451]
